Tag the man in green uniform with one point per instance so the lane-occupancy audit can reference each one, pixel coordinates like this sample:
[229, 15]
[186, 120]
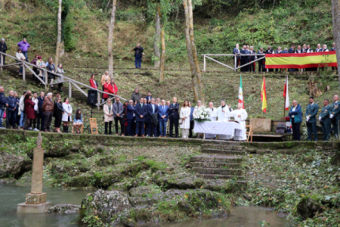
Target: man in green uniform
[335, 114]
[311, 112]
[325, 120]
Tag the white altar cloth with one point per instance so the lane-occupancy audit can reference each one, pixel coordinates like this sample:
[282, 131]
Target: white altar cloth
[226, 130]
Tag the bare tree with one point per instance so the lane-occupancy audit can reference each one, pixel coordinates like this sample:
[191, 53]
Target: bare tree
[192, 52]
[161, 74]
[59, 35]
[110, 37]
[157, 39]
[336, 31]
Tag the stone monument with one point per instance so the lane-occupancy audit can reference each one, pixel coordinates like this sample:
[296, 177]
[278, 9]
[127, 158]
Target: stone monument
[36, 201]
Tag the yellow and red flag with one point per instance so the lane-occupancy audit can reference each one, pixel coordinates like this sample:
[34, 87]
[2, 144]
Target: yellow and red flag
[264, 96]
[301, 61]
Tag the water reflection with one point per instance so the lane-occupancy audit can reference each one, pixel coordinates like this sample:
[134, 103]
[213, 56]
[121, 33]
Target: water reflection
[11, 195]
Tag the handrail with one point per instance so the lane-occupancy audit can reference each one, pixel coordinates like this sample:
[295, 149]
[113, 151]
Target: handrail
[69, 80]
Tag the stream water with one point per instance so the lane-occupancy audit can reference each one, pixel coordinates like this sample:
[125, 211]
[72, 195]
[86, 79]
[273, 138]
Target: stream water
[11, 195]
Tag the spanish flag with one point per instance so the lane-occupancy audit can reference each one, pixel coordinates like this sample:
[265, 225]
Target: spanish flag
[301, 61]
[264, 96]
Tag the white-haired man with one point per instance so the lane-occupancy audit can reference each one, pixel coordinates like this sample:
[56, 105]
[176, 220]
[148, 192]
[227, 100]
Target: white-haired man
[213, 115]
[240, 115]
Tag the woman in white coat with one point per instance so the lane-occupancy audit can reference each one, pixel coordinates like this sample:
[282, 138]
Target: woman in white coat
[67, 115]
[108, 116]
[185, 118]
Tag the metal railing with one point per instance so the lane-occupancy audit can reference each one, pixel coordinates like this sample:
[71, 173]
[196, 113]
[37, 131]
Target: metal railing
[258, 57]
[72, 83]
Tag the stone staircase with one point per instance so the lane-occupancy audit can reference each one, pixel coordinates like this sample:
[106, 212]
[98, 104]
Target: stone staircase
[220, 160]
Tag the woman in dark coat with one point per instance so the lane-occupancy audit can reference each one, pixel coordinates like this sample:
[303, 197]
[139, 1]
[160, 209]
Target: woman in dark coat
[58, 113]
[51, 67]
[29, 109]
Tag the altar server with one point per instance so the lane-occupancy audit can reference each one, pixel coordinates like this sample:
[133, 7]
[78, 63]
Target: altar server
[213, 114]
[241, 116]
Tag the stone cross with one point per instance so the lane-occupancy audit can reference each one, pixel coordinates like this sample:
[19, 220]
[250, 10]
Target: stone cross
[37, 170]
[36, 201]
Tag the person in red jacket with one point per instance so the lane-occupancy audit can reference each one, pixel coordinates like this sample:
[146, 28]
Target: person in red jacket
[29, 109]
[110, 88]
[106, 89]
[93, 82]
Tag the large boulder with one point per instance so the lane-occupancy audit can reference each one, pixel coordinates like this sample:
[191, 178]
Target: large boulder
[64, 209]
[14, 165]
[104, 204]
[309, 206]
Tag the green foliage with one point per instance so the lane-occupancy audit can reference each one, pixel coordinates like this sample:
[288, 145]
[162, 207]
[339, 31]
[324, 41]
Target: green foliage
[282, 181]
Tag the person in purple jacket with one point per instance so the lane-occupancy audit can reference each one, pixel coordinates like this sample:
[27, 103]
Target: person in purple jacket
[24, 46]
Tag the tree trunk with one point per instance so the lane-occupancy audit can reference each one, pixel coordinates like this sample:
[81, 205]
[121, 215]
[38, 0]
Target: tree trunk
[189, 50]
[161, 74]
[194, 53]
[59, 35]
[110, 37]
[157, 38]
[336, 31]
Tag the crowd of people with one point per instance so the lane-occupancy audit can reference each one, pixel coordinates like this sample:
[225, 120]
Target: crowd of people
[249, 50]
[33, 112]
[150, 117]
[329, 119]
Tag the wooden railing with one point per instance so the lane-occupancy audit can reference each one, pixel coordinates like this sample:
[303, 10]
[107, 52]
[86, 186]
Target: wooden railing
[71, 82]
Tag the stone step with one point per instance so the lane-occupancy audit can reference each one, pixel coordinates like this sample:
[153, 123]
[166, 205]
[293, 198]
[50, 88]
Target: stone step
[220, 171]
[214, 164]
[216, 158]
[218, 176]
[219, 151]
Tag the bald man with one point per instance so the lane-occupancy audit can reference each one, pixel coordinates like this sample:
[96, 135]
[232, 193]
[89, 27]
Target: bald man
[335, 115]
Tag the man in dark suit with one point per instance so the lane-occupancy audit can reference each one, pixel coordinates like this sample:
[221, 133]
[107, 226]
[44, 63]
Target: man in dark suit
[152, 119]
[335, 115]
[12, 105]
[261, 62]
[269, 51]
[333, 49]
[192, 122]
[325, 120]
[174, 116]
[279, 51]
[130, 118]
[41, 116]
[252, 58]
[291, 51]
[244, 58]
[311, 112]
[163, 113]
[141, 112]
[148, 98]
[238, 58]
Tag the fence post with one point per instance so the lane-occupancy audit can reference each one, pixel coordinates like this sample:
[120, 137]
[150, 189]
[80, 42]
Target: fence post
[235, 62]
[98, 97]
[69, 90]
[23, 71]
[204, 65]
[46, 79]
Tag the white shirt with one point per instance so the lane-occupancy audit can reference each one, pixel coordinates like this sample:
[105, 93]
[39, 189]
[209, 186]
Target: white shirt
[223, 116]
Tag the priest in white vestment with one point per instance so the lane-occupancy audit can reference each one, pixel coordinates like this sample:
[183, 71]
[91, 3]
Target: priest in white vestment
[240, 115]
[222, 115]
[213, 114]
